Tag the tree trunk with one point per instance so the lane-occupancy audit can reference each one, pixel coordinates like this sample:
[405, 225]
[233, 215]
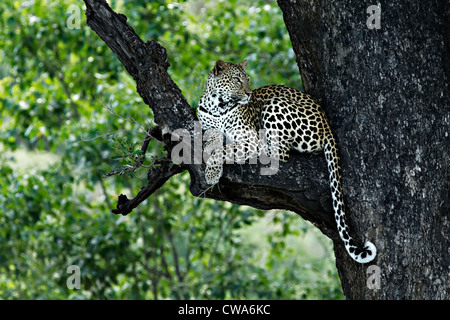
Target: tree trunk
[386, 94]
[391, 123]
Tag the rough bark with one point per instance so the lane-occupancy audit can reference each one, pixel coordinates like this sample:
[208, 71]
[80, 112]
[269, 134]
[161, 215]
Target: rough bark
[386, 94]
[391, 134]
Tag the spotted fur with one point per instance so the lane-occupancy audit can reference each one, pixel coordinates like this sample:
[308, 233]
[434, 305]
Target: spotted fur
[291, 119]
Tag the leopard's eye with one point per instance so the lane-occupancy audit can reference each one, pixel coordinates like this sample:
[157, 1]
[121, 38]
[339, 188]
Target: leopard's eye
[237, 79]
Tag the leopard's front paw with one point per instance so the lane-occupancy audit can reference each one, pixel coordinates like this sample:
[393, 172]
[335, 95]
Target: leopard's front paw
[213, 174]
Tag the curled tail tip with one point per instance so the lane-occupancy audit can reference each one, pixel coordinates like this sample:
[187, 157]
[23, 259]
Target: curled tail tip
[366, 254]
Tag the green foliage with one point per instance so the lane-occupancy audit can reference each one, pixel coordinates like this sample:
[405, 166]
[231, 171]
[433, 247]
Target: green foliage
[55, 205]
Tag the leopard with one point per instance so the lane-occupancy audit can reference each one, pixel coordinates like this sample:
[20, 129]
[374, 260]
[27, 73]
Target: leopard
[291, 119]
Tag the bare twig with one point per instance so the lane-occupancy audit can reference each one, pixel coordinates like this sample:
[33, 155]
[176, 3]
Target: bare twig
[160, 172]
[111, 109]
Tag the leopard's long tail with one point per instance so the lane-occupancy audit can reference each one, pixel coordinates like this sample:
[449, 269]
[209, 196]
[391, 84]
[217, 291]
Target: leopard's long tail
[368, 252]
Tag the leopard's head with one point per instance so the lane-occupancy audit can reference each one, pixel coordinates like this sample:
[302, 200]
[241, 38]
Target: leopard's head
[229, 82]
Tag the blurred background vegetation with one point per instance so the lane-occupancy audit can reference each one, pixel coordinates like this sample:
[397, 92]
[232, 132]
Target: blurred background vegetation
[55, 205]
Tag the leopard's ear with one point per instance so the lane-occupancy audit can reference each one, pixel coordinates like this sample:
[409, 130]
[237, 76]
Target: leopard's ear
[244, 64]
[219, 67]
